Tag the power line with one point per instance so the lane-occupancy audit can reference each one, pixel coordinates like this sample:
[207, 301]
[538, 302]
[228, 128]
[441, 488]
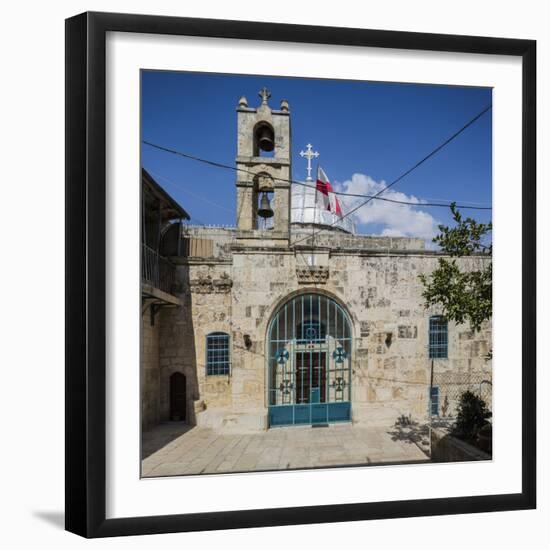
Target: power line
[412, 203]
[190, 193]
[407, 172]
[339, 193]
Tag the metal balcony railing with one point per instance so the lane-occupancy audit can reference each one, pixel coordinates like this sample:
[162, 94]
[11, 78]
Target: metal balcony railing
[156, 270]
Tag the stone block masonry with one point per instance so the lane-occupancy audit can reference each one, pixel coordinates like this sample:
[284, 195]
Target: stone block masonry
[375, 279]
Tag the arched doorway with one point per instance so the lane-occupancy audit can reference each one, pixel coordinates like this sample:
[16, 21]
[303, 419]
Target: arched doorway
[178, 400]
[309, 362]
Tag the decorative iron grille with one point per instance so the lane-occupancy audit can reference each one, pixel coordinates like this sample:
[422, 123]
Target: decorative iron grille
[309, 362]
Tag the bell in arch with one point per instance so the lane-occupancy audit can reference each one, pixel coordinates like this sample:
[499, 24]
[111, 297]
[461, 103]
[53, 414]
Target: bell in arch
[266, 139]
[265, 211]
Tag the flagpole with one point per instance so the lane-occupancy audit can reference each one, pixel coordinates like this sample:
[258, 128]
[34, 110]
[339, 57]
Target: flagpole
[313, 224]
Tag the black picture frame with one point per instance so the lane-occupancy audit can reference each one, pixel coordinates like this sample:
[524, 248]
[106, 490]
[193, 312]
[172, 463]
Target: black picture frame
[86, 269]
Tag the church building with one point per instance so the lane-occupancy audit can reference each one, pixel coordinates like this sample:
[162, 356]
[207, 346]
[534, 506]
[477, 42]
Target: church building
[291, 317]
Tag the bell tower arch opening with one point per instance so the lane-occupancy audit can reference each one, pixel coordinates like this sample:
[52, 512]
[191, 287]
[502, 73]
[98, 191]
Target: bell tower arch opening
[264, 171]
[264, 188]
[264, 140]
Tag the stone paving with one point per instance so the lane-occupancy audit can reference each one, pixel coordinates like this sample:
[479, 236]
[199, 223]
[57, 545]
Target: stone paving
[176, 449]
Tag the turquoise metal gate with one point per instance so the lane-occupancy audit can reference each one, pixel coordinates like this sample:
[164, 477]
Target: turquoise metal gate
[309, 362]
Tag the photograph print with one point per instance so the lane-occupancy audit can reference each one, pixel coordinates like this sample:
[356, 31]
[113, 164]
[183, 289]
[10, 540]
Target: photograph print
[316, 273]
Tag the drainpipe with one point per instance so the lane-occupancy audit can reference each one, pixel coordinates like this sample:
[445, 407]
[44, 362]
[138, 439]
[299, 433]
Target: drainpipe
[430, 405]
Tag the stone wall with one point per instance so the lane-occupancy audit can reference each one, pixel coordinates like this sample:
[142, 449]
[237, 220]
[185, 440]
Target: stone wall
[337, 239]
[150, 372]
[222, 237]
[446, 448]
[225, 240]
[205, 291]
[381, 292]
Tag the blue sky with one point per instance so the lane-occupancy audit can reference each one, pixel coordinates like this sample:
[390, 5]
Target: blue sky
[367, 134]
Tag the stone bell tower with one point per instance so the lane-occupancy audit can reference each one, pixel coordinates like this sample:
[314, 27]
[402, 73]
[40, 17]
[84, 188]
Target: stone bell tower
[263, 171]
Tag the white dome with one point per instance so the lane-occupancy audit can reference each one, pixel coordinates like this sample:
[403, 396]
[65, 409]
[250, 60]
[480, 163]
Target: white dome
[305, 210]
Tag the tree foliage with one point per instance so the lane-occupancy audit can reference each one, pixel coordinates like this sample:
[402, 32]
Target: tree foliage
[463, 296]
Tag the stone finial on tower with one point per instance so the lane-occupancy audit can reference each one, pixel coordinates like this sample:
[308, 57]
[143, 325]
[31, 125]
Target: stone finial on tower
[265, 94]
[284, 105]
[243, 102]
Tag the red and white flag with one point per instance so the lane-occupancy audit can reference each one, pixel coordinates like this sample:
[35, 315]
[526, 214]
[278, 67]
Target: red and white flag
[325, 194]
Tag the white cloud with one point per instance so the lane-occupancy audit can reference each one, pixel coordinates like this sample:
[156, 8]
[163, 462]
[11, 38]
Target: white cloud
[398, 220]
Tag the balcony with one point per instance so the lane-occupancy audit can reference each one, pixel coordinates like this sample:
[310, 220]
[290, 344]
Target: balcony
[158, 275]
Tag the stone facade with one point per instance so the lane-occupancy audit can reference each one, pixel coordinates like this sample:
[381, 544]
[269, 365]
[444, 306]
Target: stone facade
[250, 272]
[378, 285]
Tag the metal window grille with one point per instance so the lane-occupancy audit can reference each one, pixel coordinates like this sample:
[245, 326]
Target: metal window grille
[309, 362]
[434, 401]
[217, 354]
[310, 331]
[438, 338]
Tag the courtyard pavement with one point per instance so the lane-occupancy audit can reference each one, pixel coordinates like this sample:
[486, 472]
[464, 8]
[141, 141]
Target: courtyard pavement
[177, 449]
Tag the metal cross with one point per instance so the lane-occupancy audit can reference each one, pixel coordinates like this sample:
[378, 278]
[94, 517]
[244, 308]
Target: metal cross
[286, 386]
[309, 154]
[339, 354]
[339, 384]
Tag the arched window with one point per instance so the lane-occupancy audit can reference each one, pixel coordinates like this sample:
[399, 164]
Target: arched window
[217, 354]
[438, 341]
